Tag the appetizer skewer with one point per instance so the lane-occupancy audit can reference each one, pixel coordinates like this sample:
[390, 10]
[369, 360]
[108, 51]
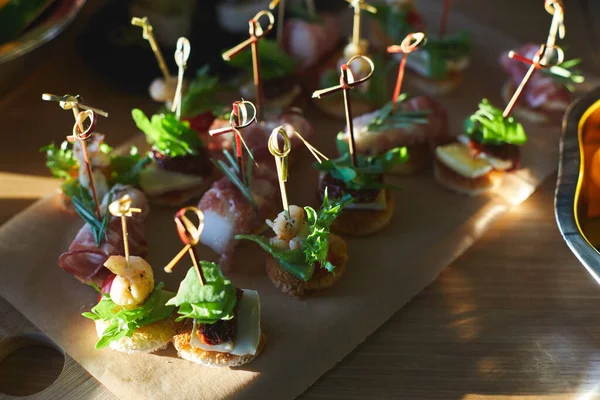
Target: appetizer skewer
[360, 176]
[221, 325]
[303, 255]
[131, 315]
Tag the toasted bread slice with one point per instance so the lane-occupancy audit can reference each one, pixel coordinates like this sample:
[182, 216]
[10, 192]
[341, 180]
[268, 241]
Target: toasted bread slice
[321, 279]
[460, 184]
[181, 341]
[333, 106]
[418, 157]
[354, 222]
[147, 339]
[436, 87]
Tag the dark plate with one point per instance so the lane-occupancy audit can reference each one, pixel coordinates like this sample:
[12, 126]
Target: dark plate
[575, 190]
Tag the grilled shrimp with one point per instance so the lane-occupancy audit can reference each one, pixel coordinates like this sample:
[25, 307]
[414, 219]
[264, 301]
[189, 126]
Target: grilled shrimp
[133, 284]
[290, 232]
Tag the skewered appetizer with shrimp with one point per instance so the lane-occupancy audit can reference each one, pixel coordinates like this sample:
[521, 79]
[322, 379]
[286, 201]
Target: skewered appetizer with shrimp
[489, 147]
[132, 315]
[303, 255]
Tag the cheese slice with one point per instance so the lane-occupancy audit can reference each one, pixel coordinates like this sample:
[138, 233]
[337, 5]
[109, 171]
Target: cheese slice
[379, 203]
[458, 158]
[248, 328]
[156, 181]
[497, 163]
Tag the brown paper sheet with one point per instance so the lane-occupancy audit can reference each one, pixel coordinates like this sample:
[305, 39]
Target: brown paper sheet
[305, 337]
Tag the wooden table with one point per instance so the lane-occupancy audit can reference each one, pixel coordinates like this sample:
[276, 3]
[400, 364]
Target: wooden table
[516, 317]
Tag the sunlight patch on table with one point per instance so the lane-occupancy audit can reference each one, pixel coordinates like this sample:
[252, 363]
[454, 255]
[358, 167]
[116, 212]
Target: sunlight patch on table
[20, 186]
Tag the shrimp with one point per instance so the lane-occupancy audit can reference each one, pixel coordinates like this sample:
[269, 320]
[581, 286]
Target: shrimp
[290, 231]
[133, 284]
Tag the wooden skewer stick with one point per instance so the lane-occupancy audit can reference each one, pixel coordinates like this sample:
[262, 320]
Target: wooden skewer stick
[444, 21]
[535, 63]
[281, 162]
[182, 54]
[557, 27]
[82, 135]
[149, 36]
[256, 32]
[190, 236]
[313, 150]
[408, 45]
[68, 102]
[348, 82]
[122, 208]
[280, 17]
[238, 120]
[359, 6]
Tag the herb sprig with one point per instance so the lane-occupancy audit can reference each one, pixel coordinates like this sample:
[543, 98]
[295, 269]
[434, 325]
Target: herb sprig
[232, 171]
[566, 73]
[441, 50]
[388, 118]
[86, 209]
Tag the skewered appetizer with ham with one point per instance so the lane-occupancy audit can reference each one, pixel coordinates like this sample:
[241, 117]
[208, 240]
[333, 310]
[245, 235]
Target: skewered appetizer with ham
[98, 240]
[303, 255]
[488, 149]
[221, 323]
[419, 124]
[440, 64]
[180, 169]
[233, 207]
[108, 168]
[394, 20]
[547, 94]
[132, 315]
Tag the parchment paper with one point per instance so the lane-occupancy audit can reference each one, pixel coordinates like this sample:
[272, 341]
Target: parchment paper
[305, 337]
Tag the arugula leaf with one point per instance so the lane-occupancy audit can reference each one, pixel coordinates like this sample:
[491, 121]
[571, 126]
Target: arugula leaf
[126, 169]
[123, 321]
[441, 50]
[316, 244]
[292, 261]
[201, 95]
[488, 126]
[208, 303]
[61, 161]
[168, 135]
[377, 164]
[394, 20]
[364, 176]
[274, 61]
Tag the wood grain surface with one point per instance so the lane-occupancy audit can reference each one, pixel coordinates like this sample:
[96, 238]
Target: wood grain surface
[515, 317]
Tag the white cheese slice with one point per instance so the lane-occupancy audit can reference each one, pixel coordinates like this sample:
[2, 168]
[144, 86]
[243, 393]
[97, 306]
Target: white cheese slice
[379, 203]
[218, 231]
[458, 158]
[497, 163]
[156, 181]
[248, 328]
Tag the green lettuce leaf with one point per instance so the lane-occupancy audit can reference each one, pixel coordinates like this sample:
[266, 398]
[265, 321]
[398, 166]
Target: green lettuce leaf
[201, 95]
[274, 61]
[488, 126]
[124, 322]
[168, 135]
[208, 303]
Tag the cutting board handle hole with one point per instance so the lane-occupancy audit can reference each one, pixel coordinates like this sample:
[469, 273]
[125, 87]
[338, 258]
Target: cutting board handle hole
[29, 363]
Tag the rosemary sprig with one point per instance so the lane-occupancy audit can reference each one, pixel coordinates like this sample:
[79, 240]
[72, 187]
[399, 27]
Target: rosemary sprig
[388, 118]
[232, 172]
[84, 205]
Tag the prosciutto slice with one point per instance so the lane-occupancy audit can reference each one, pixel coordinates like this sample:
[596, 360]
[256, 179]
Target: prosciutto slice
[228, 213]
[434, 132]
[542, 92]
[310, 42]
[85, 260]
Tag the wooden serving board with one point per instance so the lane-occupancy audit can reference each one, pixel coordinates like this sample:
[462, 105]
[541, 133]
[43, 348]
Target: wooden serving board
[305, 337]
